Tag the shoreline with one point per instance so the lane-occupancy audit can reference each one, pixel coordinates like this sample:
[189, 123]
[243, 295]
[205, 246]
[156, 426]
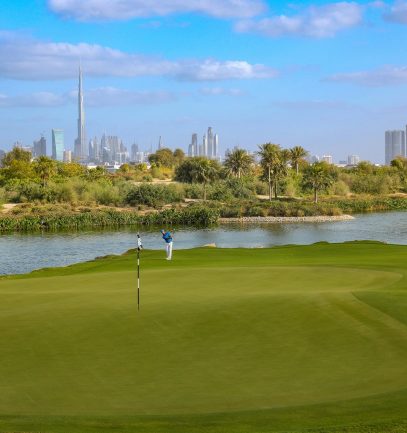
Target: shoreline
[282, 220]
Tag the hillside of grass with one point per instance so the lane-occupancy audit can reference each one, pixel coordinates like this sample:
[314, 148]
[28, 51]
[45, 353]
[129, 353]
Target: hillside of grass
[295, 338]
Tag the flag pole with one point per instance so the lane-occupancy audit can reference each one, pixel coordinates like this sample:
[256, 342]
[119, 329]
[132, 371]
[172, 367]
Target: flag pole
[139, 248]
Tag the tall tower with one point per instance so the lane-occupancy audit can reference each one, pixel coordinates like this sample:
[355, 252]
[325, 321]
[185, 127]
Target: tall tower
[81, 149]
[209, 152]
[160, 143]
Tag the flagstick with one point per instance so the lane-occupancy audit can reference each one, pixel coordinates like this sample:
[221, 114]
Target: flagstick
[138, 279]
[139, 248]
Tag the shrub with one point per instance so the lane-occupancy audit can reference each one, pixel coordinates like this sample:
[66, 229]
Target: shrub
[153, 195]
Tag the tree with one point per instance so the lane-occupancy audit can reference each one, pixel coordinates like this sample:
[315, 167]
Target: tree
[17, 164]
[179, 156]
[238, 163]
[44, 168]
[96, 173]
[400, 163]
[274, 164]
[70, 169]
[197, 170]
[162, 158]
[317, 177]
[297, 154]
[16, 154]
[205, 171]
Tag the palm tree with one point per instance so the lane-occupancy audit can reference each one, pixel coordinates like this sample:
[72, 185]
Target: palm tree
[45, 168]
[204, 171]
[317, 177]
[297, 153]
[273, 161]
[238, 163]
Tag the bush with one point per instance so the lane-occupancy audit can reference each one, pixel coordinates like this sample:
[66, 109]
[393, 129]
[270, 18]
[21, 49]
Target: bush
[154, 195]
[193, 190]
[241, 188]
[339, 188]
[219, 192]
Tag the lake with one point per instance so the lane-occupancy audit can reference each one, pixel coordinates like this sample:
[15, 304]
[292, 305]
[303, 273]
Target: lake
[22, 252]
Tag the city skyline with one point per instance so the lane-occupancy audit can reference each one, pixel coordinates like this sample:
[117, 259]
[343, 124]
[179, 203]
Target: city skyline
[324, 75]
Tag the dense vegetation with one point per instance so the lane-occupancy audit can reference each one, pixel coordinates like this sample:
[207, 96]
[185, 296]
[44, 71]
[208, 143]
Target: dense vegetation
[274, 182]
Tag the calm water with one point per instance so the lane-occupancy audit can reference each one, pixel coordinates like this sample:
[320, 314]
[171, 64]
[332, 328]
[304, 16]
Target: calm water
[21, 253]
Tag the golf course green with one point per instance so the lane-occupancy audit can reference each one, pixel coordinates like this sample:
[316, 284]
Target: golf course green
[287, 339]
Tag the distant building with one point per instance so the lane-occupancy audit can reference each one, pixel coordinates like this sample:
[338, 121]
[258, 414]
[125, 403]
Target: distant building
[160, 143]
[58, 144]
[22, 147]
[67, 156]
[395, 145]
[193, 149]
[94, 153]
[40, 147]
[204, 146]
[216, 146]
[81, 148]
[353, 160]
[134, 152]
[327, 158]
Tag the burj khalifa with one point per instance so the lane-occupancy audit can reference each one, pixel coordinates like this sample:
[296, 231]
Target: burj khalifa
[80, 151]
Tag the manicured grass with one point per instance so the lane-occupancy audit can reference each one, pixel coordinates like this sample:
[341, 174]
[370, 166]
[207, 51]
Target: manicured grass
[288, 339]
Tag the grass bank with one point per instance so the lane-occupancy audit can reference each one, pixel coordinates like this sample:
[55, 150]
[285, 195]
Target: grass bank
[296, 338]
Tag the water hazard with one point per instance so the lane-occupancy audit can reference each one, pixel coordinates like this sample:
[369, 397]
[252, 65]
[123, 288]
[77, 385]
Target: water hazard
[21, 253]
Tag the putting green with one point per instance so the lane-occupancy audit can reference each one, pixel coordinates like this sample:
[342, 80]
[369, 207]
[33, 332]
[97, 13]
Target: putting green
[227, 332]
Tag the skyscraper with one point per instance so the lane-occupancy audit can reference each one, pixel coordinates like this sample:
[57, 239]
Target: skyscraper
[395, 145]
[40, 147]
[204, 146]
[216, 146]
[193, 147]
[160, 143]
[58, 144]
[327, 158]
[209, 153]
[353, 160]
[81, 148]
[134, 152]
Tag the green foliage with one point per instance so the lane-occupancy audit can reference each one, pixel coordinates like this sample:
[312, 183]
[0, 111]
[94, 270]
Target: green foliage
[273, 161]
[16, 154]
[238, 163]
[318, 177]
[44, 168]
[297, 155]
[163, 158]
[70, 169]
[55, 219]
[153, 195]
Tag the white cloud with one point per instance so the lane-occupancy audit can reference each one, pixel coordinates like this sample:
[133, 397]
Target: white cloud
[40, 99]
[220, 91]
[397, 13]
[29, 59]
[315, 21]
[103, 10]
[385, 76]
[99, 97]
[214, 70]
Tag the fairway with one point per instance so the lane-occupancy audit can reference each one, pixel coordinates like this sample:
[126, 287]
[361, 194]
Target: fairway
[295, 338]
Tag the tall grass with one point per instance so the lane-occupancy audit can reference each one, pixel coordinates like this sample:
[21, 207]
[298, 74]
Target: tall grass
[190, 216]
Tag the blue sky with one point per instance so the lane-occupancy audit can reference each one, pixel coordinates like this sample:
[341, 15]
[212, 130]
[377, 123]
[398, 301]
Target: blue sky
[330, 76]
